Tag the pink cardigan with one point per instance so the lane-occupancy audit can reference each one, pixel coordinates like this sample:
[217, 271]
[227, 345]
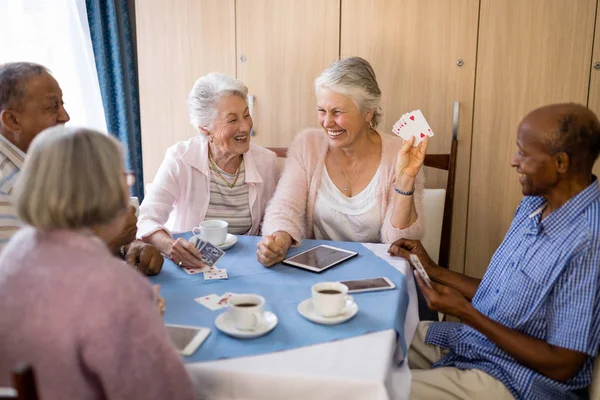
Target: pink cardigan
[178, 198]
[291, 209]
[84, 320]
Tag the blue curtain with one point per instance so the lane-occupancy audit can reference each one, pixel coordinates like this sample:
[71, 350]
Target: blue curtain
[110, 29]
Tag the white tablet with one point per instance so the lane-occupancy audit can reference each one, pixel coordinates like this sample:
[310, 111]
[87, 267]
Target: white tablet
[320, 258]
[186, 339]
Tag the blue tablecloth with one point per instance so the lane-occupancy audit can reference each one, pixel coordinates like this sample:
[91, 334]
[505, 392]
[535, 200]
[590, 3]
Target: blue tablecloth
[283, 288]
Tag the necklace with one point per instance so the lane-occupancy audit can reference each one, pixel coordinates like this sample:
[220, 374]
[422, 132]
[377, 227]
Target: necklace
[348, 181]
[215, 168]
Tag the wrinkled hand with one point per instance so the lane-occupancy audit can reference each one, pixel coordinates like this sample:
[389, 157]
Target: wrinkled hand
[144, 257]
[161, 305]
[443, 298]
[272, 249]
[184, 252]
[404, 247]
[410, 159]
[127, 235]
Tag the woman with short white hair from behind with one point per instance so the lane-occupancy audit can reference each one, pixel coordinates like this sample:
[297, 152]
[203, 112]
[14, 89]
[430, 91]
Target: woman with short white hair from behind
[218, 174]
[86, 322]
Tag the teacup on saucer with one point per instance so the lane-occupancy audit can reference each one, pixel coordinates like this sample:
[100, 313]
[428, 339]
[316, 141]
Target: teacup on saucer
[225, 324]
[308, 311]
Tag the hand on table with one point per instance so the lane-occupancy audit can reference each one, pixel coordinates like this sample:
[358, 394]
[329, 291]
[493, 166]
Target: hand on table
[185, 254]
[273, 248]
[410, 159]
[161, 305]
[442, 298]
[144, 257]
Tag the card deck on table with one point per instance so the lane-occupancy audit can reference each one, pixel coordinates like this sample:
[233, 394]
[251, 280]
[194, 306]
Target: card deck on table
[413, 124]
[215, 274]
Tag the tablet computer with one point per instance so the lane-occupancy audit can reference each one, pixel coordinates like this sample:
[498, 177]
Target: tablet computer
[320, 258]
[186, 339]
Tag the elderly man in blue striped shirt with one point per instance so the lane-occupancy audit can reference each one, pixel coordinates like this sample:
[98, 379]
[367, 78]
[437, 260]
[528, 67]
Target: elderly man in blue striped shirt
[531, 327]
[31, 101]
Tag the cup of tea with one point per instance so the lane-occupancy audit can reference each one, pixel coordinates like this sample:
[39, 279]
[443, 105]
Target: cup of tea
[331, 298]
[212, 230]
[247, 311]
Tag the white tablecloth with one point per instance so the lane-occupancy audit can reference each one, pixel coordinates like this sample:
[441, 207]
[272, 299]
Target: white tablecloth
[357, 368]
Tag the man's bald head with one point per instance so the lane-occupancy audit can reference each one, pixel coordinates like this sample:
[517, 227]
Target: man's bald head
[572, 129]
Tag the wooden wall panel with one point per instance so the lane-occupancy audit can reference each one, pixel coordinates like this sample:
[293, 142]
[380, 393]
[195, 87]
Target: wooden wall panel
[530, 53]
[414, 46]
[282, 46]
[177, 41]
[594, 92]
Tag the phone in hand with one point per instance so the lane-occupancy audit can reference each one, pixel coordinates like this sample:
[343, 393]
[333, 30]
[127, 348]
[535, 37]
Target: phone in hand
[414, 260]
[186, 339]
[369, 285]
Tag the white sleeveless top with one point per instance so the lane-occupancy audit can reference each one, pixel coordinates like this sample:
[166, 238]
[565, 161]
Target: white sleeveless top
[348, 219]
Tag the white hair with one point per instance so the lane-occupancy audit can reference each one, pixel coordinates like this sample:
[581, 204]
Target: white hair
[354, 77]
[205, 95]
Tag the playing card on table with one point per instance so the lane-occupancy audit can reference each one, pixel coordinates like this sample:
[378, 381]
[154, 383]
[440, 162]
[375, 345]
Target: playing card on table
[194, 271]
[413, 124]
[209, 301]
[215, 274]
[210, 253]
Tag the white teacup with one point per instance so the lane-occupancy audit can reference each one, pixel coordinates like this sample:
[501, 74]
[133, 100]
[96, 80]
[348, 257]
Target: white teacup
[134, 201]
[331, 298]
[212, 230]
[247, 311]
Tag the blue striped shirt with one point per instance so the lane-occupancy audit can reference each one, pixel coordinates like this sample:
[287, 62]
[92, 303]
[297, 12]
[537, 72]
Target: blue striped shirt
[542, 281]
[11, 162]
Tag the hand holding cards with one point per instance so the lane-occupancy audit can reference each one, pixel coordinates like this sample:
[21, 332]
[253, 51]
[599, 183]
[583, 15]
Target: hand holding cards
[413, 124]
[416, 263]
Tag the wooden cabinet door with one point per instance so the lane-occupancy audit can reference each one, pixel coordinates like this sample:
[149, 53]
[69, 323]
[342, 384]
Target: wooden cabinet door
[282, 46]
[415, 47]
[594, 91]
[530, 53]
[177, 43]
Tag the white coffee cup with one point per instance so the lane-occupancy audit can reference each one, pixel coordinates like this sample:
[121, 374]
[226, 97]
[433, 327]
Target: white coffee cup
[247, 311]
[134, 201]
[212, 230]
[331, 298]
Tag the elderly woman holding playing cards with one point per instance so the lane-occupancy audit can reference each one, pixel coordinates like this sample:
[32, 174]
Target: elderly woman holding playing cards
[87, 323]
[346, 181]
[218, 174]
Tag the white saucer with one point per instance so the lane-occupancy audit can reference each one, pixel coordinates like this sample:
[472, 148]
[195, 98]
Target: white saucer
[230, 241]
[307, 310]
[225, 324]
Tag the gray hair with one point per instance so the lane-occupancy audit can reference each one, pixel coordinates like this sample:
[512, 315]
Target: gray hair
[13, 79]
[72, 178]
[206, 93]
[354, 77]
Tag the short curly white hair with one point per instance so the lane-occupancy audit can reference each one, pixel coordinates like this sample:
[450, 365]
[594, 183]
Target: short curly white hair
[205, 95]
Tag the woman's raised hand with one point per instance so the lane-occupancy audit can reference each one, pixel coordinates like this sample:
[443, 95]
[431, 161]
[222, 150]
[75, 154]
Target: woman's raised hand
[410, 159]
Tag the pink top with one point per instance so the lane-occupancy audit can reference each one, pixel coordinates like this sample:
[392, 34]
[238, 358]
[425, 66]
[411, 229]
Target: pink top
[292, 207]
[178, 198]
[84, 320]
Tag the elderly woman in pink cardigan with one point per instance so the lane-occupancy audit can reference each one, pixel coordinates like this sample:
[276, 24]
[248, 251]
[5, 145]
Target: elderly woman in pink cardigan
[346, 181]
[216, 175]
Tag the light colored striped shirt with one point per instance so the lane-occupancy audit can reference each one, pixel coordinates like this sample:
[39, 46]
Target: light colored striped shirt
[543, 281]
[230, 204]
[11, 162]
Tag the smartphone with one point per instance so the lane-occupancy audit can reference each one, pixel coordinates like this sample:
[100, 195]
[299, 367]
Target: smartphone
[186, 339]
[414, 260]
[369, 285]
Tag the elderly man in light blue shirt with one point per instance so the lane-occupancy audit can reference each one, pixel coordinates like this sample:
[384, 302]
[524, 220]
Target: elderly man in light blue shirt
[531, 327]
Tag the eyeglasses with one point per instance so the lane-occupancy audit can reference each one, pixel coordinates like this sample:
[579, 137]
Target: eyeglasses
[129, 178]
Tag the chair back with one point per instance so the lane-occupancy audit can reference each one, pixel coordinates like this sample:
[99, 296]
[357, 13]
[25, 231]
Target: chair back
[438, 234]
[24, 386]
[594, 389]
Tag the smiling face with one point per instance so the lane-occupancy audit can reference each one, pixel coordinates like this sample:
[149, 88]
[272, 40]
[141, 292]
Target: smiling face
[536, 165]
[41, 108]
[341, 120]
[231, 127]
